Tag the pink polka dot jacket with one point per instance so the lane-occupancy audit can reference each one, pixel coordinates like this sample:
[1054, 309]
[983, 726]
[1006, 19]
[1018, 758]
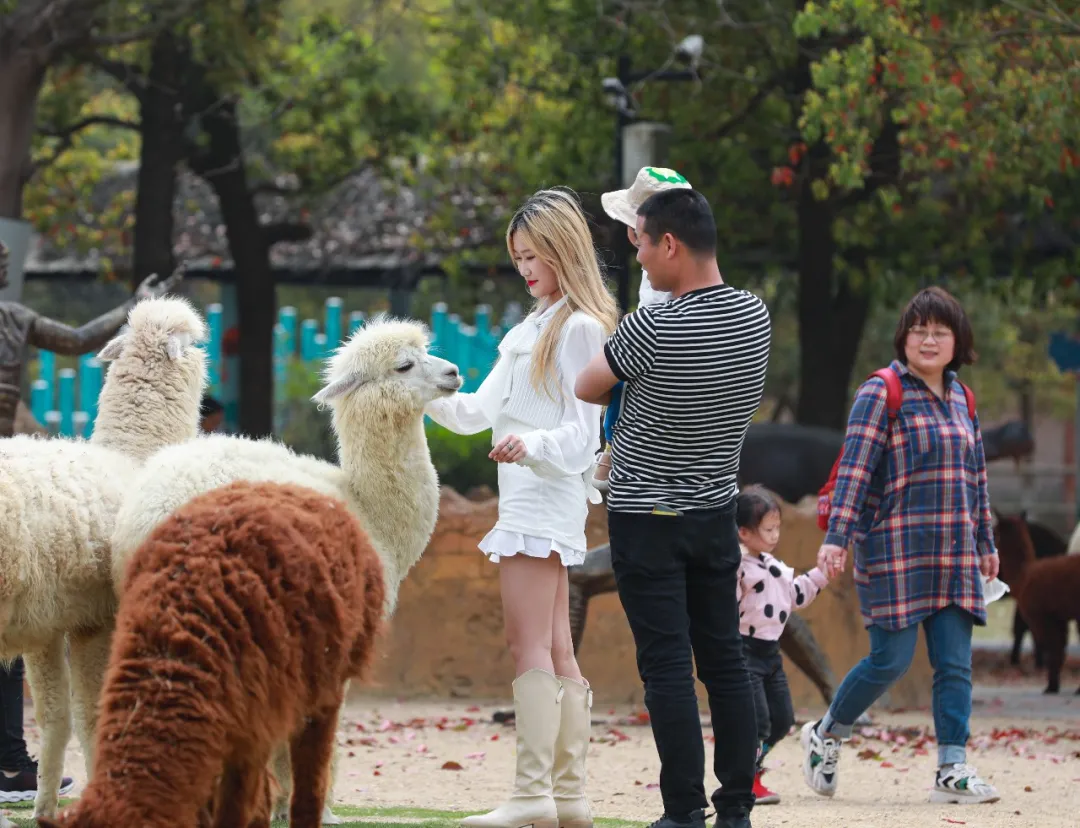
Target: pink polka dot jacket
[768, 592]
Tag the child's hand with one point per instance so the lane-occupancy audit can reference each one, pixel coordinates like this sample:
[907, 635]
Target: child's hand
[510, 449]
[831, 560]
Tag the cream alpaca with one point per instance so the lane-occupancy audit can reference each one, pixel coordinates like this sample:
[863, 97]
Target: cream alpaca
[377, 386]
[58, 502]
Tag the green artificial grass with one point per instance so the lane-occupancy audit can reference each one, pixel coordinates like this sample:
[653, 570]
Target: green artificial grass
[354, 817]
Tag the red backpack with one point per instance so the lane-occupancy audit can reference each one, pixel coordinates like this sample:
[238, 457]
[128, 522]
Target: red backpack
[894, 396]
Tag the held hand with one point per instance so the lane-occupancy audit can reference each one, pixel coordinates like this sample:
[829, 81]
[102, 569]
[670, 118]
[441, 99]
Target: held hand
[510, 449]
[988, 565]
[831, 560]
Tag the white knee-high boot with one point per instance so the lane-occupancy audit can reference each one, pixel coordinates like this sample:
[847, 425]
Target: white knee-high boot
[568, 775]
[537, 696]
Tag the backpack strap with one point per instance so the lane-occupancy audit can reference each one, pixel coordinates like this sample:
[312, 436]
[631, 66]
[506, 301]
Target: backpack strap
[894, 390]
[969, 395]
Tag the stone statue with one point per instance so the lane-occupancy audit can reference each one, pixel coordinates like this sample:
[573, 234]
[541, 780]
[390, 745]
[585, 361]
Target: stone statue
[21, 327]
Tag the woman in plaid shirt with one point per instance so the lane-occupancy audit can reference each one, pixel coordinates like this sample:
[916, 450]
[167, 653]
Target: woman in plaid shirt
[912, 496]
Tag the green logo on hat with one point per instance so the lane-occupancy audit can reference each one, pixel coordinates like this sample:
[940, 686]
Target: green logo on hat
[665, 175]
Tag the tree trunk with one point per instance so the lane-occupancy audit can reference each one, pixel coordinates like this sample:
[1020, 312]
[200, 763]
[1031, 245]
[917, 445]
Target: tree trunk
[831, 314]
[221, 163]
[21, 76]
[832, 317]
[163, 148]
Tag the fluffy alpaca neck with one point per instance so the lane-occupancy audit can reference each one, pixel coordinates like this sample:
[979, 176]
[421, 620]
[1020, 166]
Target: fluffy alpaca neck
[137, 418]
[394, 485]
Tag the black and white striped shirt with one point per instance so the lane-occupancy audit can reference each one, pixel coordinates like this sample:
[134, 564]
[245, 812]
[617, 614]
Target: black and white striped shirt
[694, 370]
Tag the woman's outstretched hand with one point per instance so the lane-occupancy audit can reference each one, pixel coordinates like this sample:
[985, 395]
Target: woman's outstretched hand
[831, 560]
[510, 449]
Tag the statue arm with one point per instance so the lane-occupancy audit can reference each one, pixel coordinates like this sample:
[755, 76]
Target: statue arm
[50, 335]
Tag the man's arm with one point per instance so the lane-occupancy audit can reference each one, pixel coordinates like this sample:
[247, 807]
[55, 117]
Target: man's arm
[594, 383]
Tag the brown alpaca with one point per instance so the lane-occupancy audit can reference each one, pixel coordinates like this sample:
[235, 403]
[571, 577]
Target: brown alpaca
[243, 614]
[1047, 592]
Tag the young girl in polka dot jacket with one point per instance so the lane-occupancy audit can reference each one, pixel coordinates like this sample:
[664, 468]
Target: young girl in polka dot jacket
[768, 591]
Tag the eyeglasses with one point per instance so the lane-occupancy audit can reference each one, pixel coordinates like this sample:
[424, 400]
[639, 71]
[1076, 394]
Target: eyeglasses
[923, 334]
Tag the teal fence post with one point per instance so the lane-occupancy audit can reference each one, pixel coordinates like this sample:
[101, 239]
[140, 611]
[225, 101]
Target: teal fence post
[467, 351]
[40, 399]
[308, 329]
[47, 371]
[214, 321]
[66, 388]
[451, 347]
[91, 375]
[332, 324]
[287, 320]
[439, 324]
[356, 321]
[281, 364]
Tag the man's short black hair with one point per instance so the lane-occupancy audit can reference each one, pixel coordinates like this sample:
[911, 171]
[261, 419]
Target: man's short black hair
[209, 406]
[685, 214]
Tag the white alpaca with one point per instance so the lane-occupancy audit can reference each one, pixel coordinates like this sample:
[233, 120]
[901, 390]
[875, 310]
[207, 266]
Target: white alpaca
[377, 386]
[58, 502]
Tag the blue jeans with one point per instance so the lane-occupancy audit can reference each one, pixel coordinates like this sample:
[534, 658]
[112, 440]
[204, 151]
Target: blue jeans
[948, 643]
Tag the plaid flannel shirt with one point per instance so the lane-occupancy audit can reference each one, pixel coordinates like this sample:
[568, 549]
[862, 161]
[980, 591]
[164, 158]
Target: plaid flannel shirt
[913, 498]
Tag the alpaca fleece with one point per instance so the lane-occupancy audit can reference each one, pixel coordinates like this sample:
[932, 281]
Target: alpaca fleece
[242, 617]
[1047, 592]
[58, 504]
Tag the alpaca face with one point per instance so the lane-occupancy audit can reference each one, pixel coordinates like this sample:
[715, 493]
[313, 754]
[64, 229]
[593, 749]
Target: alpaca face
[392, 357]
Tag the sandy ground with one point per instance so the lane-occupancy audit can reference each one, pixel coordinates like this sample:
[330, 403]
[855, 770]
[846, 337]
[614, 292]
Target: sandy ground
[451, 756]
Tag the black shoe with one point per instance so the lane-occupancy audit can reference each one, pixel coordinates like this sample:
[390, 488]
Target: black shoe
[696, 819]
[740, 819]
[23, 786]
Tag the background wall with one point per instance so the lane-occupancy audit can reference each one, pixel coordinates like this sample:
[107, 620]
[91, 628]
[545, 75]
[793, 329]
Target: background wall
[446, 638]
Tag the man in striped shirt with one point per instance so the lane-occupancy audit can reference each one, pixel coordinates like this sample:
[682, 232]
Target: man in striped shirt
[694, 369]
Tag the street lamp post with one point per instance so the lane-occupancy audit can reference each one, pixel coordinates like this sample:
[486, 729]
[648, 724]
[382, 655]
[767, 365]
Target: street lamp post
[618, 89]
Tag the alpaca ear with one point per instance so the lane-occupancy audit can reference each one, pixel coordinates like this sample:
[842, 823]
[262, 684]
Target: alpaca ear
[338, 388]
[113, 348]
[175, 344]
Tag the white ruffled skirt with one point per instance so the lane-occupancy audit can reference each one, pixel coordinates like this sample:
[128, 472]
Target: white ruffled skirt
[500, 543]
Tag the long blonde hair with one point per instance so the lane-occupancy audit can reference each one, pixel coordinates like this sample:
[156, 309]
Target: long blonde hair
[559, 235]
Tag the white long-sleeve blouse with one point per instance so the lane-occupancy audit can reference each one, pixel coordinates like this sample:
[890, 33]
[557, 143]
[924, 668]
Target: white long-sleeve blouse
[545, 494]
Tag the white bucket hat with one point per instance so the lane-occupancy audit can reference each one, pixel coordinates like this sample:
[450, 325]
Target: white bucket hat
[622, 205]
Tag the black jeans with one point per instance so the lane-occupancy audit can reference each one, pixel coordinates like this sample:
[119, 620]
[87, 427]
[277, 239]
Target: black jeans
[676, 580]
[13, 755]
[772, 696]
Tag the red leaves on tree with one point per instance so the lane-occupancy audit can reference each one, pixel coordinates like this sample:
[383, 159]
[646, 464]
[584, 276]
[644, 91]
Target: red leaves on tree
[935, 23]
[782, 176]
[795, 152]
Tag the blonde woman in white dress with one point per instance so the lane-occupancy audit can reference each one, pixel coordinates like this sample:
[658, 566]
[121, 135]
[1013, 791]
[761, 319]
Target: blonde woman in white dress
[545, 441]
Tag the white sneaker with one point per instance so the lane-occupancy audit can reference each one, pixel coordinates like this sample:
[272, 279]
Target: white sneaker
[820, 757]
[960, 783]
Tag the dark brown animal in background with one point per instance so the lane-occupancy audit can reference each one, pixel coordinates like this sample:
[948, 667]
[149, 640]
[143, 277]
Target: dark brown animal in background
[243, 614]
[1047, 544]
[1047, 592]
